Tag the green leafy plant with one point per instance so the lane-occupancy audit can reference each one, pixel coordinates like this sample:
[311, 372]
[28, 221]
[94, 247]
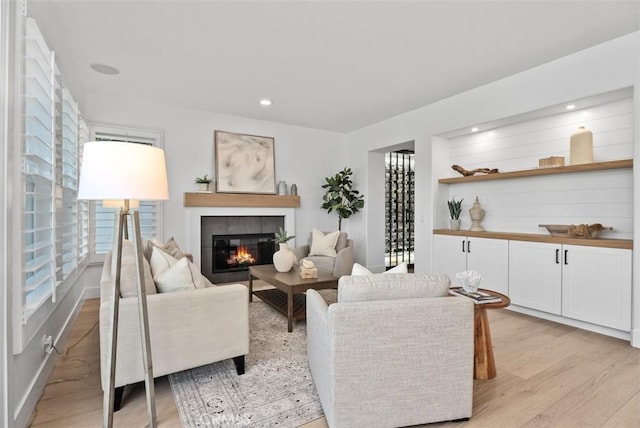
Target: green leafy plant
[341, 197]
[455, 208]
[281, 236]
[203, 180]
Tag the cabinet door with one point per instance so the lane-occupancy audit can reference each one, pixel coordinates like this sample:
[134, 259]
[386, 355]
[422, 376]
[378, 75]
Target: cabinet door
[535, 276]
[490, 257]
[449, 256]
[596, 285]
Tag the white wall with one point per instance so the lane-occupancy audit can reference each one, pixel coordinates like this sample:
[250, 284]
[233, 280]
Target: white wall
[303, 156]
[603, 68]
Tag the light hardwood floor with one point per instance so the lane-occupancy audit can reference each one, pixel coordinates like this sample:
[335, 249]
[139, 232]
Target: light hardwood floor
[549, 375]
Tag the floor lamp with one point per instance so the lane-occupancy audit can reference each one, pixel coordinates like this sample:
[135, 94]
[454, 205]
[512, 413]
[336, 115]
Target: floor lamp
[114, 170]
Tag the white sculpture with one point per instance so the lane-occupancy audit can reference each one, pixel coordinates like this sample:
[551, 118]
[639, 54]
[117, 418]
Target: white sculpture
[470, 280]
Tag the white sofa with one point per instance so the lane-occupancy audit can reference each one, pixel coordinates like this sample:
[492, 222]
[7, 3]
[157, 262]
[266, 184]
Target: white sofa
[187, 329]
[389, 353]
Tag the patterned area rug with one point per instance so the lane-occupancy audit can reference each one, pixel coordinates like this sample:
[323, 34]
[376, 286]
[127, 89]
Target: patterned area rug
[276, 390]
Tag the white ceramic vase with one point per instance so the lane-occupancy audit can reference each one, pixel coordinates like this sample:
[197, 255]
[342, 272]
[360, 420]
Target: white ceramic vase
[284, 259]
[454, 223]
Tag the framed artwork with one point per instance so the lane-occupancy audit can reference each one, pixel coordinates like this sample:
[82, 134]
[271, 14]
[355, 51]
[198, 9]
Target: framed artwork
[244, 163]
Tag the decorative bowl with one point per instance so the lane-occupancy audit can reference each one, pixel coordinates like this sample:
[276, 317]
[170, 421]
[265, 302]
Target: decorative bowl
[575, 230]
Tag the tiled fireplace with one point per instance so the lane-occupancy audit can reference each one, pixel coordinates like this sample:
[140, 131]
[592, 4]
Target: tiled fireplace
[225, 241]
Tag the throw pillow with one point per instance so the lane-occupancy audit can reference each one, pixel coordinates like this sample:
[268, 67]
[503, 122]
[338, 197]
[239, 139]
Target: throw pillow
[177, 277]
[358, 269]
[171, 247]
[160, 262]
[323, 245]
[128, 272]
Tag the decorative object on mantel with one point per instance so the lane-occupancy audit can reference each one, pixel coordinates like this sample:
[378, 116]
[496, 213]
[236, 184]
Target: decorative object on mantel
[203, 183]
[294, 190]
[575, 231]
[308, 269]
[455, 209]
[341, 197]
[284, 258]
[551, 162]
[244, 163]
[477, 215]
[282, 188]
[581, 146]
[467, 173]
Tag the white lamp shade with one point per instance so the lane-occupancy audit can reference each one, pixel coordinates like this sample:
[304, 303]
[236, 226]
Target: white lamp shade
[120, 170]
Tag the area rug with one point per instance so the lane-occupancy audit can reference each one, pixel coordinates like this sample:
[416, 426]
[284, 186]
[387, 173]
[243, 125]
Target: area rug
[276, 390]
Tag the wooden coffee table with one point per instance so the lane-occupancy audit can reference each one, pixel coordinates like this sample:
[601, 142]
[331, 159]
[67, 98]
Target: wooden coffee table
[484, 363]
[287, 297]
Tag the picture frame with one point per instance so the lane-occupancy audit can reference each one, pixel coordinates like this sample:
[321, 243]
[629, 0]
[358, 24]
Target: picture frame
[244, 163]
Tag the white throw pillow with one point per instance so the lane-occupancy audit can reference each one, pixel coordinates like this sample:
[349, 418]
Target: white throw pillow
[323, 245]
[160, 262]
[177, 277]
[358, 269]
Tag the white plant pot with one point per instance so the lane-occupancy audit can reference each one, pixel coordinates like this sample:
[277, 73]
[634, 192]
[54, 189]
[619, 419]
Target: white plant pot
[203, 187]
[454, 224]
[284, 259]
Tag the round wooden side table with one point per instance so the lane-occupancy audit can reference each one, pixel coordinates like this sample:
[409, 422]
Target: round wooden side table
[484, 364]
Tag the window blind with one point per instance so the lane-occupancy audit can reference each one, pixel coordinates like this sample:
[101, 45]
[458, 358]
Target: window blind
[83, 206]
[38, 169]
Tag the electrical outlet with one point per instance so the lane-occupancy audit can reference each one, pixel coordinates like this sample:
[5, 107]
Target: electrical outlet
[47, 344]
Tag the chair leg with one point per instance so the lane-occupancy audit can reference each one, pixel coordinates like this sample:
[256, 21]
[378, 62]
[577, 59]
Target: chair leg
[239, 363]
[117, 398]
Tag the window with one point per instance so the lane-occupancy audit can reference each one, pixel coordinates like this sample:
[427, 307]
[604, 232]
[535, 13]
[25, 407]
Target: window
[103, 219]
[50, 147]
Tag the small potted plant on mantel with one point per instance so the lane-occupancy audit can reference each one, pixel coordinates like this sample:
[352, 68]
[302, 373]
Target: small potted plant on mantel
[455, 208]
[203, 183]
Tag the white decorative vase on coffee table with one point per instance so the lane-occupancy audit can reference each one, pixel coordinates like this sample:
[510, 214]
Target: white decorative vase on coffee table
[284, 259]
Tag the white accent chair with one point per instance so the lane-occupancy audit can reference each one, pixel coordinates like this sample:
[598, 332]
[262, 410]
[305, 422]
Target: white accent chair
[391, 352]
[337, 266]
[187, 329]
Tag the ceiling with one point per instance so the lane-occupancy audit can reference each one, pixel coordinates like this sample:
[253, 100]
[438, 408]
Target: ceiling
[337, 66]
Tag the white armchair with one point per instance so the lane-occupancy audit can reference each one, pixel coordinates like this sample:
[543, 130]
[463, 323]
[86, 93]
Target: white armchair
[391, 353]
[338, 264]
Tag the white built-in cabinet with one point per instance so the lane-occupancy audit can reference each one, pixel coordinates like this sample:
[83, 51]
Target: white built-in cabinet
[454, 254]
[591, 284]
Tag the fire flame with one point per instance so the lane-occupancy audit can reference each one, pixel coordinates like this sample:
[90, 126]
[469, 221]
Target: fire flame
[243, 256]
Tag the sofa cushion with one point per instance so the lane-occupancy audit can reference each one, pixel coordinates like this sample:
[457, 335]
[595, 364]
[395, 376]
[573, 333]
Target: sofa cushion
[358, 269]
[171, 247]
[323, 244]
[177, 277]
[160, 262]
[128, 273]
[392, 286]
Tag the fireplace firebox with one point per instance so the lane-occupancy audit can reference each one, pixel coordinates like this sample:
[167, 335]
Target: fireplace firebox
[233, 253]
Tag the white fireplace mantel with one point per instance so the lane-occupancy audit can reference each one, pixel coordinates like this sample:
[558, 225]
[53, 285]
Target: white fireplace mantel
[195, 214]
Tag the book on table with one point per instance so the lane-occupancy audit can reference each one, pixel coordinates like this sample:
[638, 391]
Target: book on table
[479, 297]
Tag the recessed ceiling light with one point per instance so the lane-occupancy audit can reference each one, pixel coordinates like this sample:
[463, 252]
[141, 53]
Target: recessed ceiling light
[265, 102]
[104, 69]
[570, 107]
[474, 129]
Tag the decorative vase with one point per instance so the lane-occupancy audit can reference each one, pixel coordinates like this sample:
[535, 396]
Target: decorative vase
[477, 214]
[282, 187]
[470, 280]
[284, 259]
[454, 223]
[581, 146]
[294, 190]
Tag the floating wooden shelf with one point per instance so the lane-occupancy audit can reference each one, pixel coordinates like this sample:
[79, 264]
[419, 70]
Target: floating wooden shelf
[597, 166]
[625, 244]
[202, 199]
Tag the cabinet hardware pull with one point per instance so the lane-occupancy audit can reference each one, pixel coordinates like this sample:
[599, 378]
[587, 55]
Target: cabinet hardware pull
[463, 245]
[468, 246]
[565, 257]
[557, 256]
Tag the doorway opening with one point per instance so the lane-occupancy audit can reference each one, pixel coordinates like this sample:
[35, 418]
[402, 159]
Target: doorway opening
[399, 207]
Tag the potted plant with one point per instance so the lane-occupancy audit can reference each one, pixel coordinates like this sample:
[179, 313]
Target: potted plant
[203, 182]
[284, 258]
[455, 208]
[341, 197]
